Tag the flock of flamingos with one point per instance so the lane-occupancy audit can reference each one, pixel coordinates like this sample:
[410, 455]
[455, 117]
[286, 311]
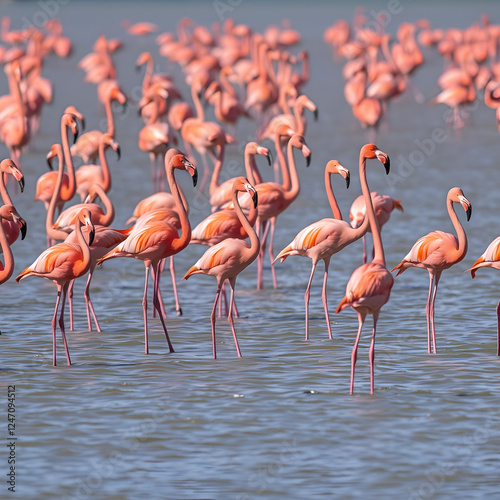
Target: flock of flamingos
[246, 74]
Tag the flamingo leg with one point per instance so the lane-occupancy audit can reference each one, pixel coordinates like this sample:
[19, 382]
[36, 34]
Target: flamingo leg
[428, 313]
[212, 319]
[498, 328]
[61, 322]
[323, 296]
[232, 282]
[271, 250]
[371, 352]
[156, 304]
[225, 301]
[364, 249]
[260, 257]
[433, 329]
[88, 302]
[354, 353]
[152, 157]
[70, 304]
[54, 320]
[174, 285]
[306, 299]
[145, 309]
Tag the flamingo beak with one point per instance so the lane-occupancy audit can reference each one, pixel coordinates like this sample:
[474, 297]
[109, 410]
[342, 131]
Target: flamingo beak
[269, 157]
[307, 154]
[91, 235]
[467, 206]
[192, 171]
[316, 114]
[75, 135]
[21, 223]
[21, 183]
[347, 179]
[253, 193]
[118, 150]
[384, 159]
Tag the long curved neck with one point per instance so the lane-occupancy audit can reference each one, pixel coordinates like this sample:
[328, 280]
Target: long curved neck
[293, 192]
[148, 75]
[370, 214]
[298, 111]
[109, 116]
[214, 182]
[283, 164]
[3, 191]
[331, 197]
[305, 68]
[108, 205]
[69, 162]
[8, 266]
[226, 85]
[19, 99]
[55, 234]
[106, 185]
[462, 238]
[82, 242]
[253, 175]
[254, 239]
[200, 114]
[179, 243]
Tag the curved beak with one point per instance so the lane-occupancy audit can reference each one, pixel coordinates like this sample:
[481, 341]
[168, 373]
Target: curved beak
[269, 157]
[467, 206]
[307, 153]
[21, 223]
[117, 148]
[91, 234]
[21, 183]
[347, 179]
[192, 171]
[253, 193]
[75, 135]
[316, 114]
[384, 159]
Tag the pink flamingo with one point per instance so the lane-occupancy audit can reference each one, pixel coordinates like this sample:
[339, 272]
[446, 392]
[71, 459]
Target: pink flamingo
[7, 166]
[157, 240]
[383, 206]
[436, 252]
[229, 257]
[61, 264]
[8, 213]
[369, 286]
[490, 258]
[322, 239]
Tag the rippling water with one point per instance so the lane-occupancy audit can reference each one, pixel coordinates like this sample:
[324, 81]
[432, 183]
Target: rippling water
[279, 422]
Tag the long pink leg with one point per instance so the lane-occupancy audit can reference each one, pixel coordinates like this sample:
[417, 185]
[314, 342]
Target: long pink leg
[428, 313]
[145, 309]
[354, 353]
[371, 352]
[323, 296]
[70, 304]
[212, 319]
[61, 322]
[54, 320]
[156, 303]
[498, 328]
[260, 257]
[364, 249]
[88, 302]
[434, 292]
[162, 307]
[306, 299]
[271, 250]
[230, 316]
[152, 157]
[174, 285]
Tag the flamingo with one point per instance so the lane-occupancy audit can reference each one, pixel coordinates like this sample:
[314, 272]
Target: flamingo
[139, 29]
[369, 286]
[7, 166]
[229, 257]
[383, 206]
[322, 239]
[157, 240]
[8, 213]
[61, 264]
[490, 258]
[436, 252]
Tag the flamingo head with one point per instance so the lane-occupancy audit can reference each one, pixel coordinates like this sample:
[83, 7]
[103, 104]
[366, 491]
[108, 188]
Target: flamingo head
[55, 151]
[142, 59]
[86, 219]
[7, 166]
[334, 167]
[457, 195]
[108, 140]
[181, 162]
[298, 141]
[73, 111]
[69, 120]
[242, 184]
[370, 152]
[310, 105]
[252, 148]
[9, 212]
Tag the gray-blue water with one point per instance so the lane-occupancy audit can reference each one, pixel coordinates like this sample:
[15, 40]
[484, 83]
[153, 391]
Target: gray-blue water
[279, 422]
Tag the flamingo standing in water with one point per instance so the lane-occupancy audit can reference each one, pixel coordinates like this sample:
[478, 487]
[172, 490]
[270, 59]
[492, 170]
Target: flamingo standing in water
[490, 258]
[229, 257]
[9, 213]
[383, 206]
[61, 264]
[7, 166]
[369, 286]
[436, 252]
[157, 240]
[322, 239]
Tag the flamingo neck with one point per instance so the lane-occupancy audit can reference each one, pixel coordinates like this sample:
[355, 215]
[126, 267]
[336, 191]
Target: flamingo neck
[282, 160]
[83, 243]
[148, 75]
[254, 239]
[226, 85]
[462, 238]
[214, 182]
[200, 114]
[109, 216]
[370, 217]
[179, 244]
[293, 192]
[109, 116]
[331, 197]
[106, 185]
[298, 111]
[3, 191]
[69, 163]
[19, 98]
[8, 267]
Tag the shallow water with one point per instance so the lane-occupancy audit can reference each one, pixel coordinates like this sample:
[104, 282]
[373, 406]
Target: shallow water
[279, 422]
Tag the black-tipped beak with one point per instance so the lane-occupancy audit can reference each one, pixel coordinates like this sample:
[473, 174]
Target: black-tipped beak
[347, 180]
[91, 235]
[124, 107]
[194, 176]
[118, 152]
[21, 183]
[255, 199]
[387, 165]
[269, 157]
[23, 227]
[316, 114]
[308, 159]
[49, 163]
[469, 212]
[75, 137]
